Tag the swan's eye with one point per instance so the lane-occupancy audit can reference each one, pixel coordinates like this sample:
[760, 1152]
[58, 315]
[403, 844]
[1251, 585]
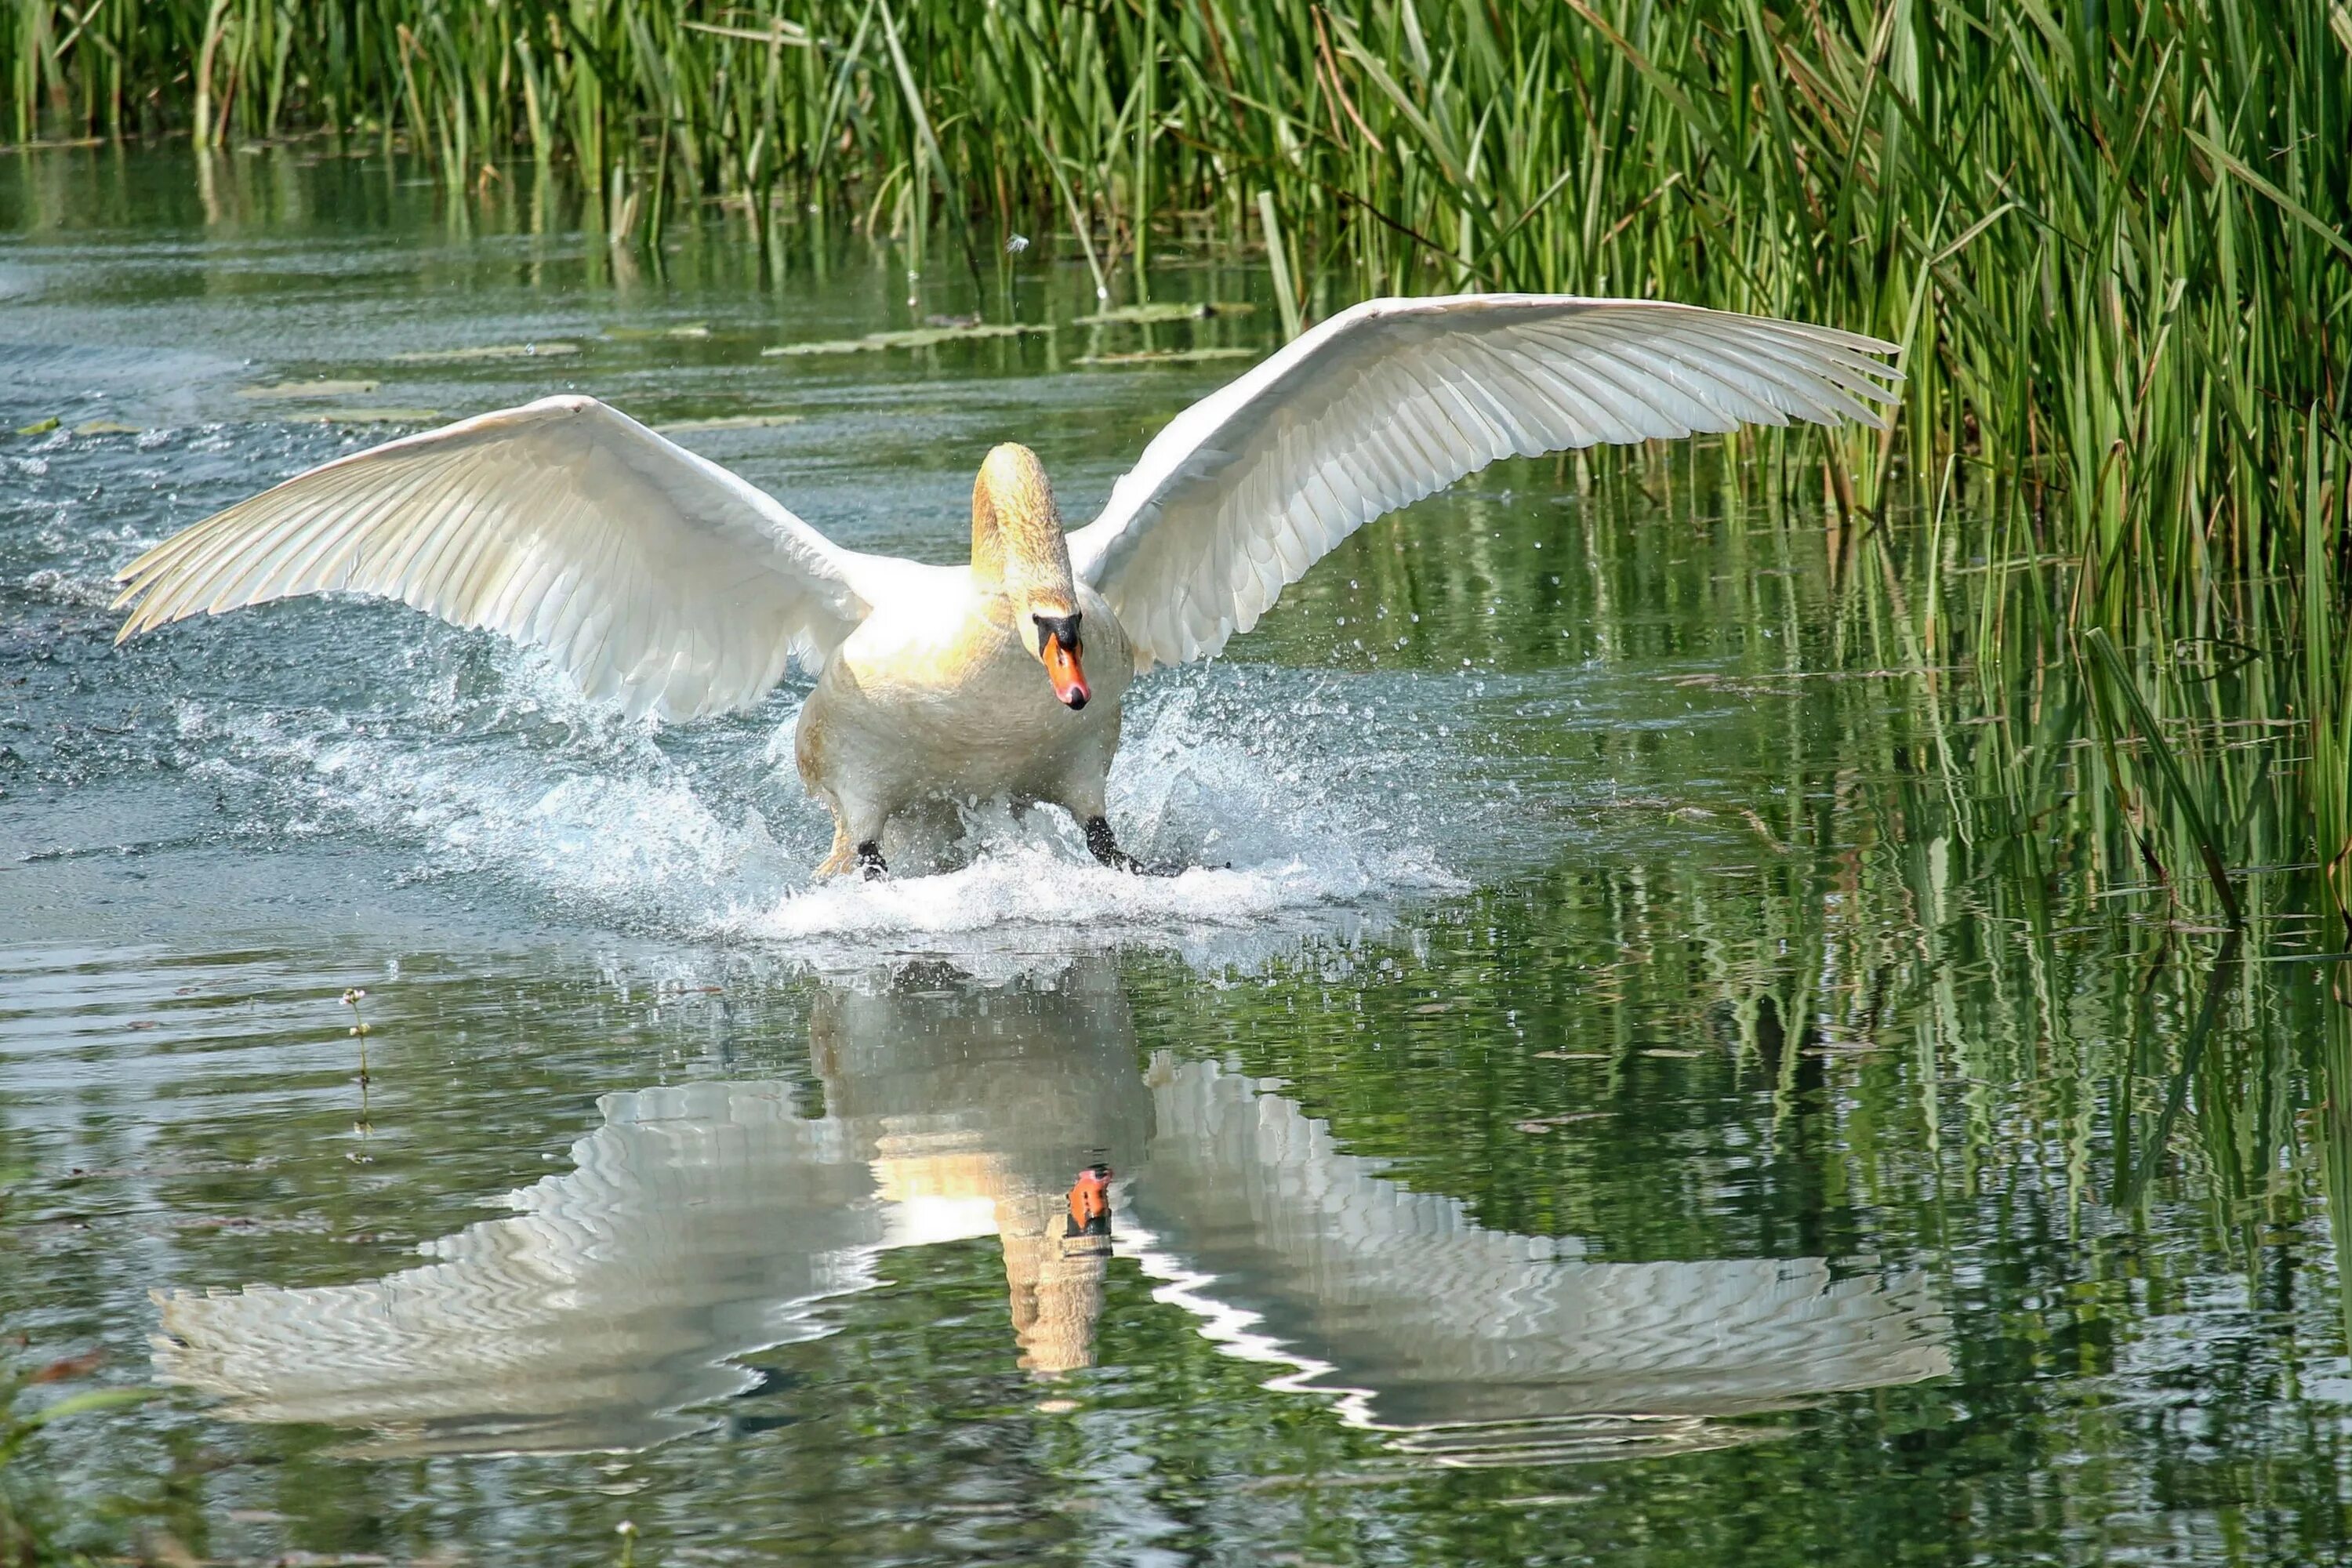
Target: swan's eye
[1062, 628]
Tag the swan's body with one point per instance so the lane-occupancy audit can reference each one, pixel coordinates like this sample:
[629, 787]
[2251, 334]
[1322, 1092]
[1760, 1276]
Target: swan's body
[657, 578]
[936, 698]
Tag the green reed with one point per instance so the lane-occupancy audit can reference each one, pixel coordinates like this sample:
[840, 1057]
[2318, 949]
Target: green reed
[2116, 243]
[1907, 901]
[28, 1528]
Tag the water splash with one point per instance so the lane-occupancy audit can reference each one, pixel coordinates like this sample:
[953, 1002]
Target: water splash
[1283, 798]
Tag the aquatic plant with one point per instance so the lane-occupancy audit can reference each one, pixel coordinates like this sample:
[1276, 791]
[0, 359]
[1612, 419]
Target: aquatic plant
[28, 1535]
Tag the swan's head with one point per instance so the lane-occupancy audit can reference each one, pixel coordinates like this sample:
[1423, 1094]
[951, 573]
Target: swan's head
[1058, 647]
[1018, 550]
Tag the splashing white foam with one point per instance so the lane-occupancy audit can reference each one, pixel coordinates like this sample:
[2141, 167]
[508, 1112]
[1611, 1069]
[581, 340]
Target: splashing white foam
[520, 780]
[1285, 800]
[1233, 795]
[1032, 885]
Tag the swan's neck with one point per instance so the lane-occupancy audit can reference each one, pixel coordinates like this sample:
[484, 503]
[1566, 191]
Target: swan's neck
[1017, 545]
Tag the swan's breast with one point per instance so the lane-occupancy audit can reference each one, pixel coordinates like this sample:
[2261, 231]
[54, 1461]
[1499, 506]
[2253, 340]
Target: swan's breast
[936, 692]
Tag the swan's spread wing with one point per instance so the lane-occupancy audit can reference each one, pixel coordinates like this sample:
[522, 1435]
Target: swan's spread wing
[1395, 399]
[654, 577]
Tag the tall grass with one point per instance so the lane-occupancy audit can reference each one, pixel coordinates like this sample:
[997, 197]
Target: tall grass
[2115, 241]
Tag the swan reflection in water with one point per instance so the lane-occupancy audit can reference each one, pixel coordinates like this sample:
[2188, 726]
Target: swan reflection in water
[708, 1221]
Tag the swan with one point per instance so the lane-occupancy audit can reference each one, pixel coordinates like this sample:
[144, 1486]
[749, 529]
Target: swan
[660, 579]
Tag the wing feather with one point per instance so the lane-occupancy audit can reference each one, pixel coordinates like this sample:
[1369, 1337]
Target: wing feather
[652, 574]
[1666, 374]
[1395, 399]
[1812, 395]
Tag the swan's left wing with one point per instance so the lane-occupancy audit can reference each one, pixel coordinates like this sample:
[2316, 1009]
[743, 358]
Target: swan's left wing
[653, 576]
[1395, 399]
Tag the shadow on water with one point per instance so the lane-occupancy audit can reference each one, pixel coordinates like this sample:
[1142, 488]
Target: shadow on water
[1696, 1058]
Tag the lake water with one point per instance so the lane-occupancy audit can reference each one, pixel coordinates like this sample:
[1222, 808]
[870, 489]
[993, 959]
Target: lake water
[1623, 1083]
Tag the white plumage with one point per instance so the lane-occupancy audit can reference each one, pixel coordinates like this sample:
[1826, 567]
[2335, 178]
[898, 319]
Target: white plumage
[1396, 399]
[656, 577]
[704, 1221]
[660, 579]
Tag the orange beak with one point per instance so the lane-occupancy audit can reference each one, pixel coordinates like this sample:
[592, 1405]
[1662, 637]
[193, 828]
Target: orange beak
[1062, 666]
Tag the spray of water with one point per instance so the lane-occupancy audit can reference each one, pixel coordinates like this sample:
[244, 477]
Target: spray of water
[1281, 802]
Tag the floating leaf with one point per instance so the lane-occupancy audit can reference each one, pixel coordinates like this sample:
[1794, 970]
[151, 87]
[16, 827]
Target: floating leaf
[488, 351]
[729, 422]
[1140, 315]
[366, 415]
[68, 1367]
[646, 334]
[290, 390]
[37, 427]
[105, 428]
[1167, 356]
[913, 338]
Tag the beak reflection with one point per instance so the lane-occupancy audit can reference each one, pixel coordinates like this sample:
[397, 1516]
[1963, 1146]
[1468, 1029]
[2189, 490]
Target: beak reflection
[1090, 1204]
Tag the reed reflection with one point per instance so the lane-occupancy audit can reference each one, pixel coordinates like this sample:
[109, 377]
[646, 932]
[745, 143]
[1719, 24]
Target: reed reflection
[704, 1222]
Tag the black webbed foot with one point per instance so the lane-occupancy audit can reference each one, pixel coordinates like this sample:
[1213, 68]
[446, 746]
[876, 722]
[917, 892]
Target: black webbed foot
[1106, 850]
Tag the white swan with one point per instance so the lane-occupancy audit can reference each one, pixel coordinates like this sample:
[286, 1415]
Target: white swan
[658, 578]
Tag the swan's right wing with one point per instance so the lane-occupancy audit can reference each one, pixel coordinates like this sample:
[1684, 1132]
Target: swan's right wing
[1395, 399]
[654, 577]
